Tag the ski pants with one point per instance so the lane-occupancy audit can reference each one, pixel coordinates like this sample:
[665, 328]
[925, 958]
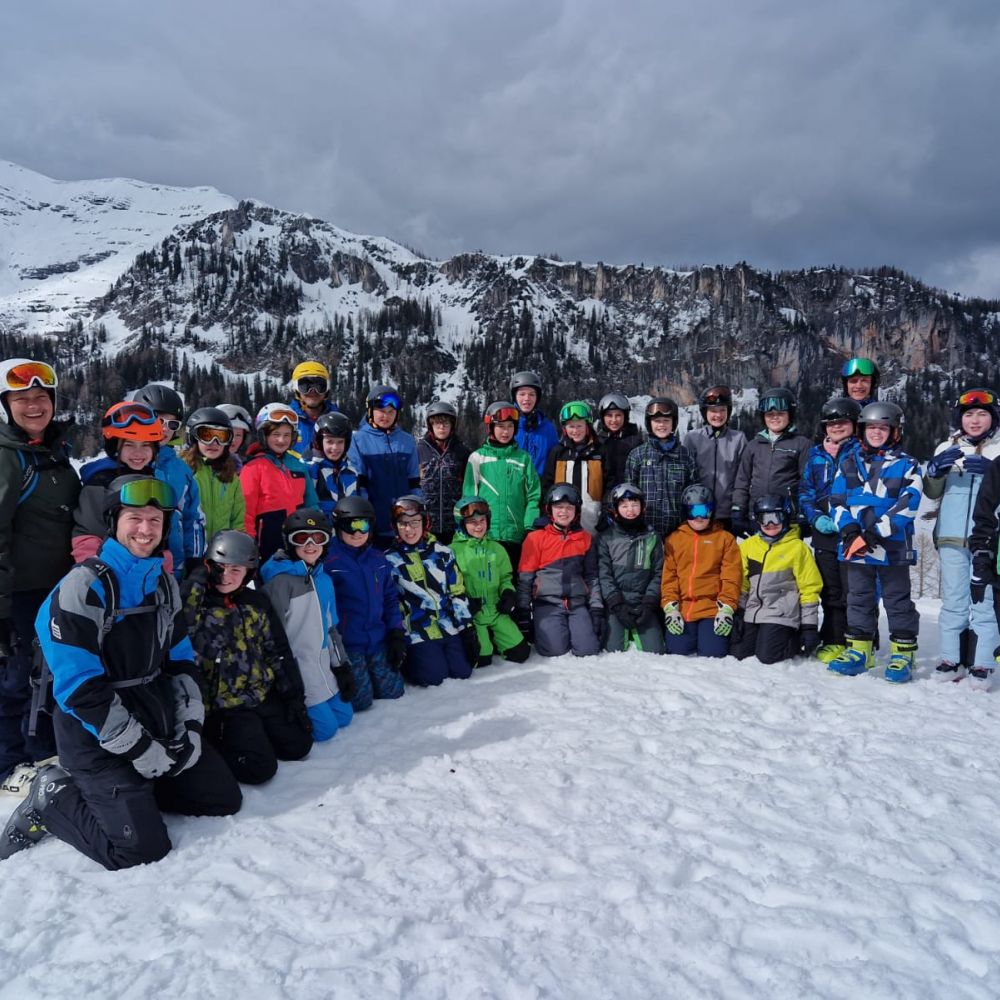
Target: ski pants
[648, 638]
[833, 597]
[253, 740]
[957, 609]
[329, 716]
[496, 632]
[373, 677]
[769, 642]
[560, 630]
[698, 639]
[16, 746]
[863, 597]
[114, 816]
[428, 663]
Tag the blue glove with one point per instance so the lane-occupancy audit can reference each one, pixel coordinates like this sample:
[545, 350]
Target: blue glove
[940, 464]
[825, 525]
[976, 465]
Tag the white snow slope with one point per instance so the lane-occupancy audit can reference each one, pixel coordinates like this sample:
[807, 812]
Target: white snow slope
[624, 826]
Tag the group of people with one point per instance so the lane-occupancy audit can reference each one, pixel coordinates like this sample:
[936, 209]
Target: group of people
[220, 591]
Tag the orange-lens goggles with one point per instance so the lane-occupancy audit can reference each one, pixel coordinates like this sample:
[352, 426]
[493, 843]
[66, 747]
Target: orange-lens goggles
[282, 416]
[298, 538]
[31, 373]
[505, 413]
[977, 397]
[206, 434]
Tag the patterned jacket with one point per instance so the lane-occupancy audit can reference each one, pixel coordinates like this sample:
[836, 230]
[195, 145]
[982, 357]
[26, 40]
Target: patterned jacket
[781, 582]
[663, 470]
[431, 589]
[333, 480]
[814, 488]
[558, 566]
[442, 472]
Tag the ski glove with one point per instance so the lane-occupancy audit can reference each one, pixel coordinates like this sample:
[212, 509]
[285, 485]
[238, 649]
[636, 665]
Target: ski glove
[338, 653]
[939, 465]
[6, 637]
[983, 575]
[395, 648]
[522, 619]
[186, 751]
[154, 759]
[723, 619]
[598, 618]
[475, 604]
[855, 546]
[622, 612]
[648, 612]
[188, 706]
[506, 603]
[470, 644]
[672, 614]
[825, 525]
[344, 676]
[976, 465]
[741, 526]
[809, 637]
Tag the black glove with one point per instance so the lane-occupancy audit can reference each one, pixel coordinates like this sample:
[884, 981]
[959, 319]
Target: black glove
[854, 543]
[475, 605]
[395, 648]
[344, 677]
[617, 607]
[185, 752]
[505, 605]
[6, 637]
[470, 644]
[809, 636]
[649, 612]
[296, 713]
[737, 633]
[598, 618]
[522, 619]
[740, 523]
[984, 575]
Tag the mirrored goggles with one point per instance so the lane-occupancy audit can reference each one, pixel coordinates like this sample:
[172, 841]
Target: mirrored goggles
[146, 492]
[626, 494]
[770, 517]
[312, 384]
[354, 525]
[207, 433]
[31, 373]
[476, 512]
[977, 397]
[307, 535]
[716, 398]
[171, 424]
[386, 401]
[660, 413]
[280, 415]
[699, 510]
[858, 366]
[574, 411]
[773, 404]
[132, 413]
[511, 413]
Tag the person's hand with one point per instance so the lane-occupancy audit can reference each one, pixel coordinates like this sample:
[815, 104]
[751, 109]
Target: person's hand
[470, 644]
[939, 465]
[186, 751]
[475, 605]
[740, 523]
[672, 617]
[853, 542]
[505, 605]
[154, 758]
[825, 525]
[522, 619]
[395, 648]
[648, 612]
[598, 618]
[976, 465]
[344, 676]
[809, 637]
[984, 574]
[723, 624]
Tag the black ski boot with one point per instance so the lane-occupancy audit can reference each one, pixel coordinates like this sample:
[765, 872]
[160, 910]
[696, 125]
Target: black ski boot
[25, 827]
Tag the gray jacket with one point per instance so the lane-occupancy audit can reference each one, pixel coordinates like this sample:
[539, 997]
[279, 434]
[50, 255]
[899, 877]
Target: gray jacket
[629, 565]
[718, 456]
[768, 466]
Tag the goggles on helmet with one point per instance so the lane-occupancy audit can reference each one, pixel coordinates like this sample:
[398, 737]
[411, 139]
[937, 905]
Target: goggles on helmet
[386, 400]
[312, 384]
[770, 517]
[147, 492]
[771, 404]
[207, 433]
[659, 410]
[511, 413]
[354, 525]
[619, 494]
[30, 373]
[574, 411]
[127, 414]
[699, 510]
[306, 535]
[858, 366]
[977, 397]
[475, 511]
[278, 414]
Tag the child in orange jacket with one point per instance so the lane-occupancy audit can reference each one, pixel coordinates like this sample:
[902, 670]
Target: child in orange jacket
[702, 576]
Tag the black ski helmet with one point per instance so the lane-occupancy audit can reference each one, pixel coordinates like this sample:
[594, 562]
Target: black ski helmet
[335, 425]
[697, 495]
[716, 395]
[840, 408]
[206, 416]
[526, 380]
[777, 398]
[625, 491]
[157, 493]
[860, 366]
[978, 399]
[304, 519]
[354, 506]
[661, 406]
[232, 548]
[772, 503]
[888, 414]
[563, 493]
[381, 397]
[161, 398]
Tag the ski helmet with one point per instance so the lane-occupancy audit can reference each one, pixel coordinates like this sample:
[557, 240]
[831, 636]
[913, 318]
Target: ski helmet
[335, 425]
[525, 380]
[779, 399]
[577, 409]
[310, 375]
[716, 395]
[161, 398]
[860, 366]
[239, 418]
[382, 397]
[442, 408]
[270, 415]
[350, 512]
[563, 493]
[18, 374]
[500, 412]
[130, 422]
[209, 423]
[697, 501]
[304, 521]
[884, 415]
[232, 548]
[625, 491]
[409, 505]
[469, 505]
[764, 509]
[661, 406]
[614, 401]
[840, 408]
[978, 399]
[135, 490]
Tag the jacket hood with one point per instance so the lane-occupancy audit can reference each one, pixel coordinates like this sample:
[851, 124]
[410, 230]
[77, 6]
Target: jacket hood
[13, 436]
[282, 563]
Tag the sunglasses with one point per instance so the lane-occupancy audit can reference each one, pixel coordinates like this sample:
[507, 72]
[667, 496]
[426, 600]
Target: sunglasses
[773, 404]
[132, 413]
[147, 492]
[505, 413]
[29, 374]
[769, 517]
[388, 400]
[312, 385]
[305, 536]
[977, 397]
[574, 411]
[858, 366]
[354, 526]
[699, 510]
[207, 433]
[171, 424]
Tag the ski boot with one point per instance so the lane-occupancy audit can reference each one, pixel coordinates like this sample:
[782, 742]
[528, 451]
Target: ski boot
[26, 827]
[856, 658]
[900, 668]
[830, 651]
[981, 678]
[946, 671]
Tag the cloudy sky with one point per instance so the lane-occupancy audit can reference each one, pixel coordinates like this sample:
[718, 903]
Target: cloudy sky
[651, 131]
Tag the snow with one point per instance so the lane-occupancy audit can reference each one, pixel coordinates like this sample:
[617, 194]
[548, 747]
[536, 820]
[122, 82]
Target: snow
[623, 826]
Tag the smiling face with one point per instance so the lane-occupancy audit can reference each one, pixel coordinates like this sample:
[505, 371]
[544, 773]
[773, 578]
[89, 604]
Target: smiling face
[476, 525]
[333, 448]
[563, 514]
[772, 530]
[410, 528]
[876, 435]
[31, 410]
[140, 530]
[230, 578]
[838, 430]
[279, 440]
[776, 420]
[976, 422]
[614, 420]
[859, 387]
[661, 426]
[310, 551]
[576, 430]
[135, 455]
[716, 416]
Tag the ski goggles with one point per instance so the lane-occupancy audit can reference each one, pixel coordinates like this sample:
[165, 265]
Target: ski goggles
[131, 413]
[977, 397]
[30, 373]
[858, 366]
[209, 433]
[774, 404]
[312, 384]
[697, 510]
[476, 512]
[659, 413]
[575, 411]
[769, 517]
[717, 397]
[278, 414]
[386, 401]
[625, 493]
[354, 525]
[306, 535]
[146, 493]
[505, 413]
[171, 424]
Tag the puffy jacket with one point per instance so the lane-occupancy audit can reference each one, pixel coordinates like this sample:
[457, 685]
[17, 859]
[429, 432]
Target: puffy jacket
[240, 646]
[701, 568]
[272, 488]
[221, 503]
[38, 494]
[536, 435]
[985, 527]
[367, 596]
[442, 472]
[431, 589]
[486, 571]
[957, 491]
[304, 599]
[629, 564]
[558, 566]
[768, 466]
[307, 427]
[333, 480]
[388, 462]
[583, 466]
[814, 488]
[663, 470]
[504, 476]
[781, 582]
[188, 513]
[616, 447]
[139, 680]
[879, 492]
[718, 452]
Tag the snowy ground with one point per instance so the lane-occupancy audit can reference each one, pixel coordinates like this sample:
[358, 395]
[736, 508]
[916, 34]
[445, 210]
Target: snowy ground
[625, 826]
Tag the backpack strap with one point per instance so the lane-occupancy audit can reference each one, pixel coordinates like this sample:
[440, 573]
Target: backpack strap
[112, 604]
[29, 477]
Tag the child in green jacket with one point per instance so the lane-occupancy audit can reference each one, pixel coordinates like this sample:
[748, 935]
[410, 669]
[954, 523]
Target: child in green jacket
[209, 435]
[489, 585]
